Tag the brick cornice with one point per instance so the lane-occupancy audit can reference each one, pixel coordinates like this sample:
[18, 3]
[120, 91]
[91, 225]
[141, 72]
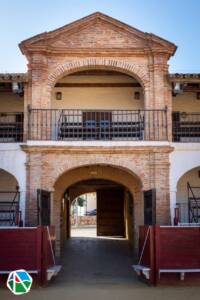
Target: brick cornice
[119, 52]
[96, 149]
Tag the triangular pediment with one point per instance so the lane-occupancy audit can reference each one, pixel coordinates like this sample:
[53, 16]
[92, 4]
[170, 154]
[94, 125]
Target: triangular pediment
[96, 31]
[98, 34]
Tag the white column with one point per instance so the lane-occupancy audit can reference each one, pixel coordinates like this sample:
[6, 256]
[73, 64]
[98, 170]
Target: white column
[22, 204]
[172, 205]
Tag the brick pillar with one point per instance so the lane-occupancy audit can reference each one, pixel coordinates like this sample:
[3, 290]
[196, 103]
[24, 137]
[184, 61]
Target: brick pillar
[162, 188]
[34, 168]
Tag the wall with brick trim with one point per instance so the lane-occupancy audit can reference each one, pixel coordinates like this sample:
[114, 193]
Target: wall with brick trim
[57, 169]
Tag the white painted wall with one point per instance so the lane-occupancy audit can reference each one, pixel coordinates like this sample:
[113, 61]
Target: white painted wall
[13, 160]
[8, 183]
[193, 178]
[185, 157]
[91, 201]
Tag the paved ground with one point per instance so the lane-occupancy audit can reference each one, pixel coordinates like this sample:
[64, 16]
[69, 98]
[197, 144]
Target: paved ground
[84, 232]
[100, 269]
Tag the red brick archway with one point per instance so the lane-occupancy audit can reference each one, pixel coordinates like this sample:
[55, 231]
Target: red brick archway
[119, 65]
[119, 175]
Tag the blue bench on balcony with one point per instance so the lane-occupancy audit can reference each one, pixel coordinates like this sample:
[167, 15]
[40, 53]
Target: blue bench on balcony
[103, 130]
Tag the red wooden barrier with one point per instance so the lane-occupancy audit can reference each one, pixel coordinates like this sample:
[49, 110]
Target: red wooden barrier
[171, 251]
[146, 248]
[26, 248]
[48, 251]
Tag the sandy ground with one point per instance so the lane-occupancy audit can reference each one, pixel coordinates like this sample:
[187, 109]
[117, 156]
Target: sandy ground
[100, 269]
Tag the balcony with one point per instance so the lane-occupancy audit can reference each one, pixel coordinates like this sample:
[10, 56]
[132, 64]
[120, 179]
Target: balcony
[115, 125]
[186, 127]
[11, 127]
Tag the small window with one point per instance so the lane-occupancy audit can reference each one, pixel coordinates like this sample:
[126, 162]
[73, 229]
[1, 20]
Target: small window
[137, 95]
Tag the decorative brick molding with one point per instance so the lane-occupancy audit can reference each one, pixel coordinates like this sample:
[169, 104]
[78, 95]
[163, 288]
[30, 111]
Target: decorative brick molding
[52, 58]
[113, 64]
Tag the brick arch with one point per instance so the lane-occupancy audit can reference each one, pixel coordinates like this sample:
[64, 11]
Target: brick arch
[124, 170]
[109, 172]
[115, 173]
[94, 161]
[76, 65]
[118, 175]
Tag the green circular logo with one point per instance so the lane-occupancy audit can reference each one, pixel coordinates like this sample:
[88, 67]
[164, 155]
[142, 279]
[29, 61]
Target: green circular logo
[19, 282]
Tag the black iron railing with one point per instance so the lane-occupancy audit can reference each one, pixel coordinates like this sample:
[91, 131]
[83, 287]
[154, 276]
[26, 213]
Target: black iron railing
[71, 124]
[193, 203]
[10, 214]
[186, 127]
[11, 127]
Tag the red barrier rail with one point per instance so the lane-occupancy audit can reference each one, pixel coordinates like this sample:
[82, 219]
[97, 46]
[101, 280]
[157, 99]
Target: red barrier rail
[169, 253]
[27, 248]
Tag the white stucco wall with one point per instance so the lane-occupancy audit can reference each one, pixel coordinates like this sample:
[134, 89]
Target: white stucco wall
[91, 201]
[13, 160]
[8, 183]
[185, 157]
[192, 177]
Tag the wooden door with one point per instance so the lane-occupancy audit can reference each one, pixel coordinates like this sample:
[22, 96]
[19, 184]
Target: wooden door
[150, 207]
[44, 207]
[110, 212]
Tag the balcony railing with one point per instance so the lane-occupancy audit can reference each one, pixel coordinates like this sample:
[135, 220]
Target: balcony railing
[71, 125]
[186, 127]
[10, 214]
[11, 127]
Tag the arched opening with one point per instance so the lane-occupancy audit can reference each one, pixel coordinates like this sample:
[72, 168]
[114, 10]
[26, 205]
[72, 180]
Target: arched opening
[98, 104]
[90, 178]
[98, 89]
[110, 213]
[83, 214]
[119, 212]
[9, 199]
[188, 196]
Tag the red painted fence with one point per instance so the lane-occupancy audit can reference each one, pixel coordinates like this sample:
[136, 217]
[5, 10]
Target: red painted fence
[27, 248]
[169, 249]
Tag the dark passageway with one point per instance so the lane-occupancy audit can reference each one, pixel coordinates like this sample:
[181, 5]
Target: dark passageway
[93, 260]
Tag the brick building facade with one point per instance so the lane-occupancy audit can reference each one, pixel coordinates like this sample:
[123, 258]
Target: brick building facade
[139, 157]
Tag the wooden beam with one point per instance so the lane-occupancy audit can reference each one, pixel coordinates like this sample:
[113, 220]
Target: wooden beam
[191, 89]
[97, 84]
[98, 73]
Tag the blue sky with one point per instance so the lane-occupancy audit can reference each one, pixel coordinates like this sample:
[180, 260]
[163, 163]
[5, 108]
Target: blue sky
[175, 20]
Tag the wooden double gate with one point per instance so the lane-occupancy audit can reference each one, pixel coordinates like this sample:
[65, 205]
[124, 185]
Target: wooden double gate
[110, 210]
